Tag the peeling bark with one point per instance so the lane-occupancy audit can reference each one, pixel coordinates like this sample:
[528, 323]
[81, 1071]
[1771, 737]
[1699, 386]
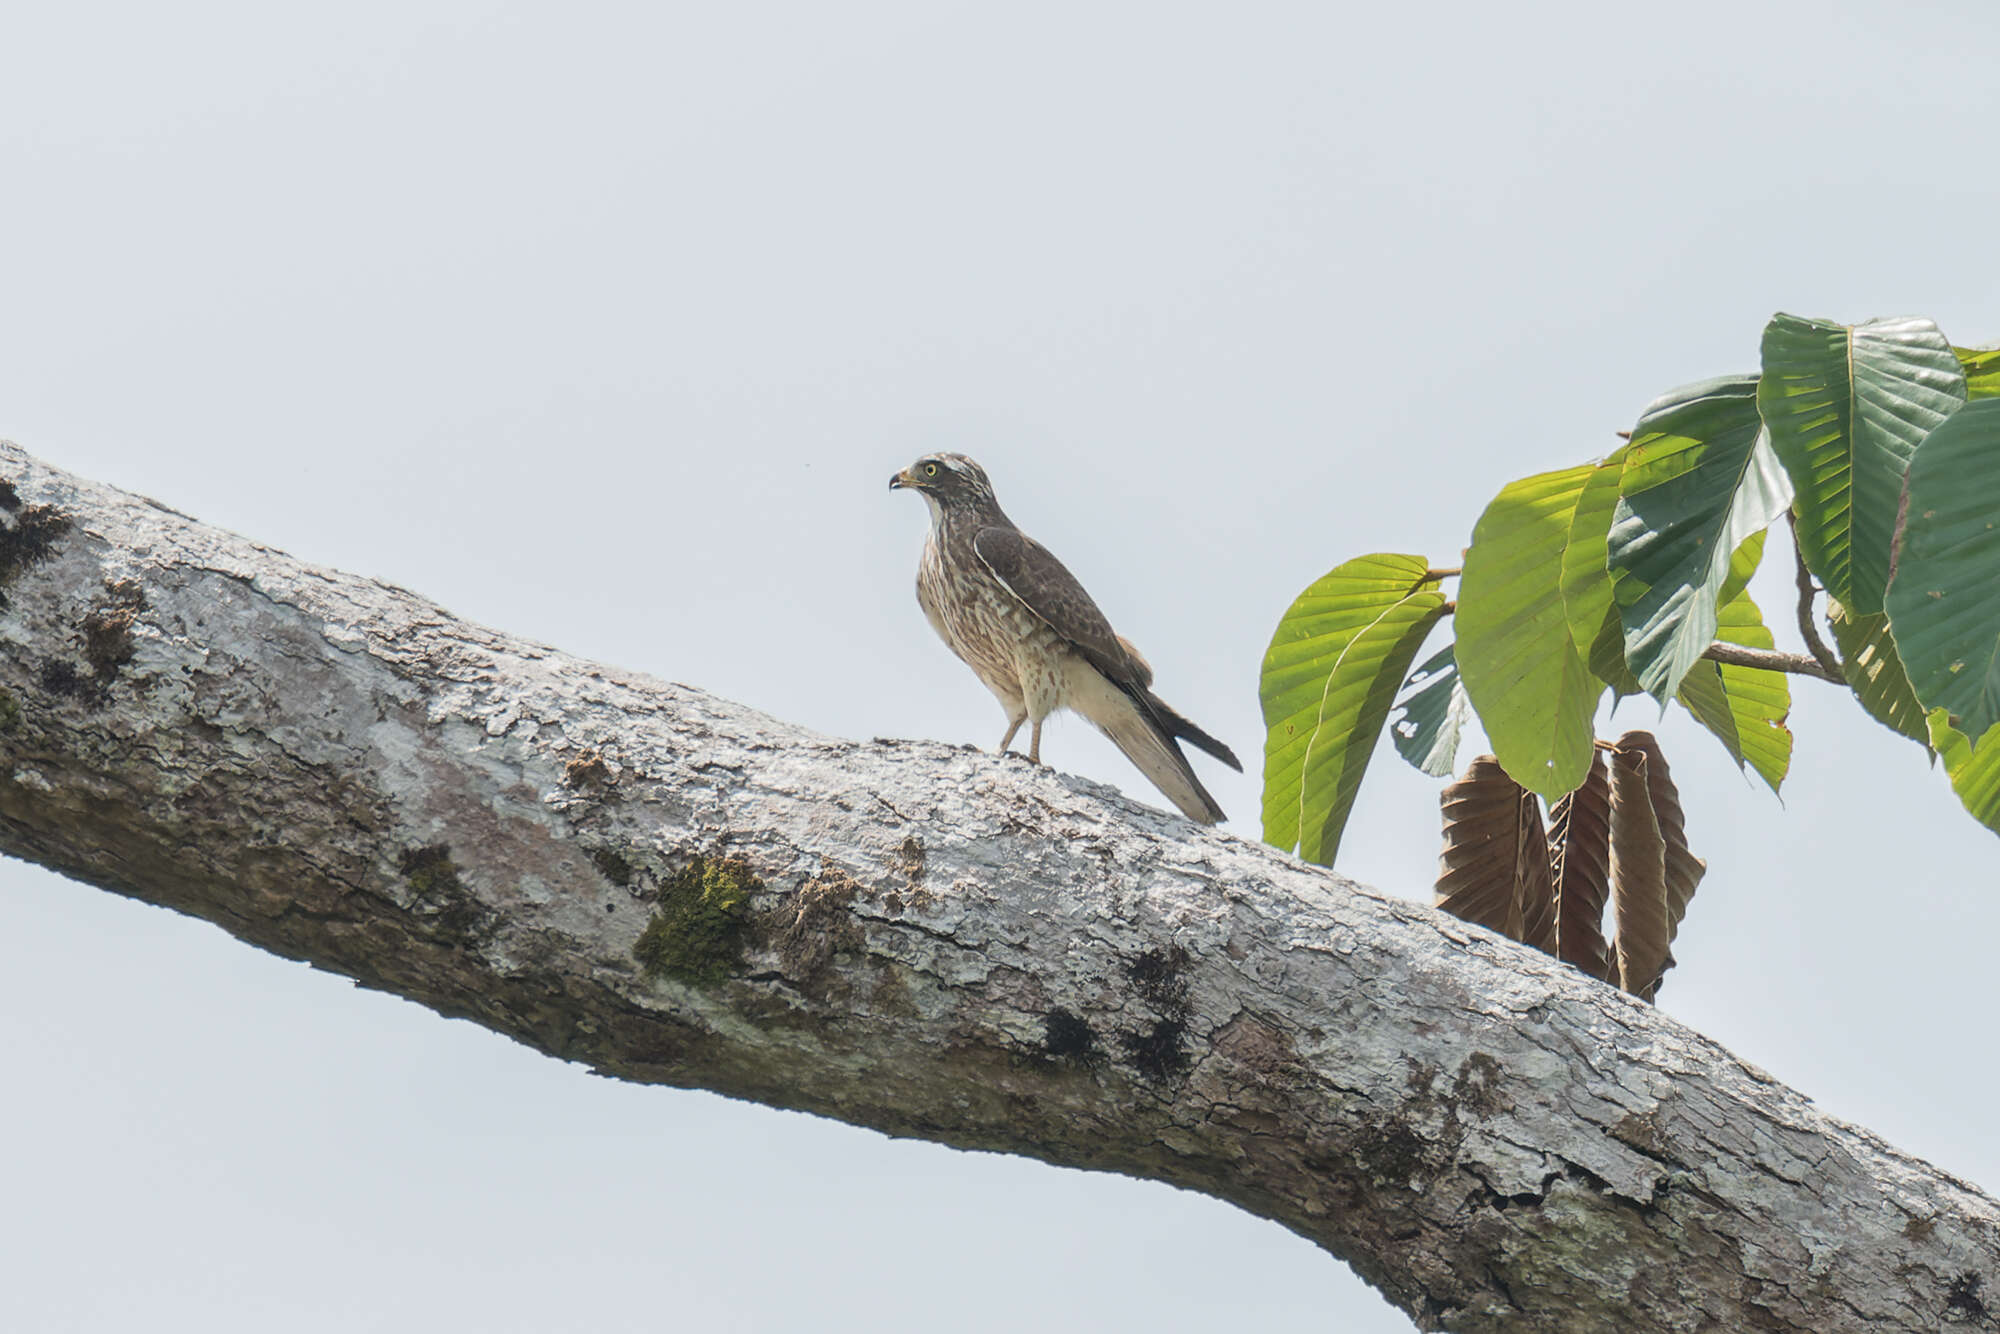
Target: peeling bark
[927, 940]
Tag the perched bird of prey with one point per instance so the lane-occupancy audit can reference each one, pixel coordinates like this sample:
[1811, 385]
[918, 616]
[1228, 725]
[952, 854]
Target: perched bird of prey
[1023, 623]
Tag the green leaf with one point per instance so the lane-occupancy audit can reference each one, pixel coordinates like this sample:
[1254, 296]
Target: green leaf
[1696, 485]
[1435, 708]
[1745, 707]
[1329, 678]
[1586, 579]
[1944, 605]
[1742, 568]
[1982, 370]
[1605, 656]
[1847, 408]
[1522, 668]
[1869, 660]
[1975, 772]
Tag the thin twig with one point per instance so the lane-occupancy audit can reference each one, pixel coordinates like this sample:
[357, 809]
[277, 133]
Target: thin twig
[1774, 660]
[1807, 629]
[1443, 574]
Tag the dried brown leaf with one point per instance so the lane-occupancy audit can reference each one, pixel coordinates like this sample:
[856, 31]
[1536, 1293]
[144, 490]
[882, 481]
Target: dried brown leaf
[1495, 861]
[1580, 861]
[1683, 869]
[1638, 876]
[1531, 870]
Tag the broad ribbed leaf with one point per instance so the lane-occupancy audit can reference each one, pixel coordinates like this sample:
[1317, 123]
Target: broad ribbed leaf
[1683, 870]
[1869, 660]
[1329, 678]
[1696, 485]
[1742, 568]
[1588, 606]
[1982, 370]
[1434, 709]
[1580, 870]
[1605, 656]
[1745, 707]
[1975, 775]
[1525, 674]
[1494, 865]
[1638, 876]
[1847, 408]
[1944, 606]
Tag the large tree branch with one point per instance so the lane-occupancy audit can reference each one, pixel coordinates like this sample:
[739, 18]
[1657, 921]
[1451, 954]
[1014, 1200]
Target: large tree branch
[926, 940]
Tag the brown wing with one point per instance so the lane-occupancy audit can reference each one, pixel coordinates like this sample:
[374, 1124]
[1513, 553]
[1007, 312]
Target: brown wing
[1052, 593]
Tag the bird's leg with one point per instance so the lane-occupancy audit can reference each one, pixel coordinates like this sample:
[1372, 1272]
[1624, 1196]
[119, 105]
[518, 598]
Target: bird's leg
[1012, 728]
[1035, 743]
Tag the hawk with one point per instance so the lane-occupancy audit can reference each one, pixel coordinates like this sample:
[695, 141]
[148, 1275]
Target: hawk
[1027, 629]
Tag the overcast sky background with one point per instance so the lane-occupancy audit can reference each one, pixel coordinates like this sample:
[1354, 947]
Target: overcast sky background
[606, 324]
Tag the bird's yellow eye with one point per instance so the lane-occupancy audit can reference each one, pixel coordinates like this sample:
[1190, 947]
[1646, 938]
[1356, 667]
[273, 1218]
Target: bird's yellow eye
[930, 470]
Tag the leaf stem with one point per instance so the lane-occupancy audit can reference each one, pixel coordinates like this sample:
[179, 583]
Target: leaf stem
[1807, 629]
[1774, 660]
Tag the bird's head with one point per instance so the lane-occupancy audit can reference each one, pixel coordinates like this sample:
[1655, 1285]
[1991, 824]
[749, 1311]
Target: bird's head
[948, 481]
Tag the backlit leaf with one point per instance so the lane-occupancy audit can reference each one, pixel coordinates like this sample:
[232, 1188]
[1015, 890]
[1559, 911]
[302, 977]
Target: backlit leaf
[1847, 408]
[1975, 775]
[1982, 370]
[1524, 672]
[1742, 567]
[1944, 606]
[1586, 579]
[1869, 660]
[1745, 707]
[1328, 680]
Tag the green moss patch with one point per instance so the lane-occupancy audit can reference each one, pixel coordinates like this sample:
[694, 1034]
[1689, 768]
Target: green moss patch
[701, 923]
[10, 712]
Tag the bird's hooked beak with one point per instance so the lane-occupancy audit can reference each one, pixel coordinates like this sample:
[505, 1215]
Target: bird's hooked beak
[905, 478]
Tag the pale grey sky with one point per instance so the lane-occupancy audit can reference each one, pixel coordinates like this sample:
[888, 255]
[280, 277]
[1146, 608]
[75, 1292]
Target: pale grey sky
[607, 323]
